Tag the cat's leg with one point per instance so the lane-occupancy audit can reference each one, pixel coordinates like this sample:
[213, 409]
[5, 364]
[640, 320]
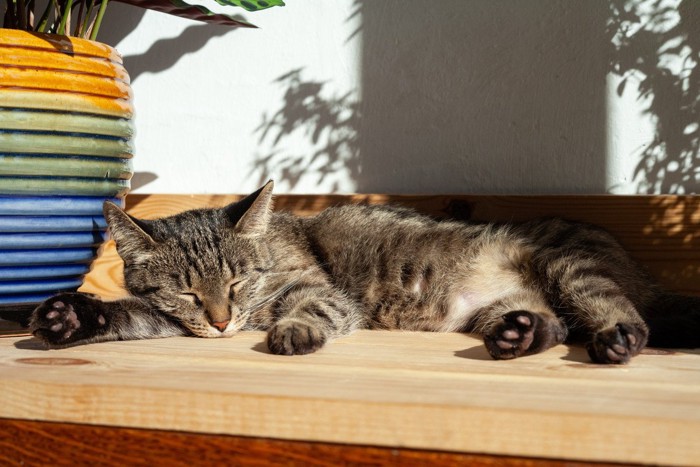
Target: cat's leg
[613, 329]
[73, 318]
[518, 325]
[308, 316]
[594, 305]
[594, 286]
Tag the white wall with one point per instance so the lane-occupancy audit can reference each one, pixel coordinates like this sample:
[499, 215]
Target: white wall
[402, 96]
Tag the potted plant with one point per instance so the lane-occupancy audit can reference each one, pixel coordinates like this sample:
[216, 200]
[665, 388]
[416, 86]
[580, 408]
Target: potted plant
[65, 138]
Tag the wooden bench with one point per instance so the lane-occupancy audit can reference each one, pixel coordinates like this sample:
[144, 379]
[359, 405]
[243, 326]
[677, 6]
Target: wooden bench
[382, 397]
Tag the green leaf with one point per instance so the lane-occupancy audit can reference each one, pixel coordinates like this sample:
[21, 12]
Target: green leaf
[251, 5]
[200, 13]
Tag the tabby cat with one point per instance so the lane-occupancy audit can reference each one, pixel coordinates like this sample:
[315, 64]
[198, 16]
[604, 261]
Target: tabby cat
[524, 288]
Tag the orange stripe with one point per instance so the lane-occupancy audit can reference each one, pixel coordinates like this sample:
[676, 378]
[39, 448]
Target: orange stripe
[56, 43]
[66, 101]
[22, 57]
[63, 81]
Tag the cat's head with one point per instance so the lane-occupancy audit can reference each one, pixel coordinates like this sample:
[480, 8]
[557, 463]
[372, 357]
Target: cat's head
[206, 267]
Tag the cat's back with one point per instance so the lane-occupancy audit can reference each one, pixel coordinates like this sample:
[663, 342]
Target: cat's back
[369, 219]
[391, 234]
[377, 227]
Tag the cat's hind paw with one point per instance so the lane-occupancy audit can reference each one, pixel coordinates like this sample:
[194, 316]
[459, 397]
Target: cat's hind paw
[66, 319]
[522, 332]
[512, 336]
[617, 344]
[294, 338]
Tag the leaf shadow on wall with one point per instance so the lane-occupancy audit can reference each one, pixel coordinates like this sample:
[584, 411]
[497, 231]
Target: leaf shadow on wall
[657, 47]
[328, 122]
[459, 96]
[164, 53]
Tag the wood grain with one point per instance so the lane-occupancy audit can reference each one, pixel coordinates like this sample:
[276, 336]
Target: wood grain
[429, 391]
[56, 444]
[661, 232]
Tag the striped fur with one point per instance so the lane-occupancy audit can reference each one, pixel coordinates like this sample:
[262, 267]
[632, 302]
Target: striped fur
[213, 272]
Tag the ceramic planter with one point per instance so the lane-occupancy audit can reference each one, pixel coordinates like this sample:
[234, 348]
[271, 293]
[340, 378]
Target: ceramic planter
[65, 146]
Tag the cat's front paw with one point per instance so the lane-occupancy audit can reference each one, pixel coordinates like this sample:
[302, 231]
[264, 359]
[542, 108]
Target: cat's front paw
[67, 318]
[617, 344]
[295, 338]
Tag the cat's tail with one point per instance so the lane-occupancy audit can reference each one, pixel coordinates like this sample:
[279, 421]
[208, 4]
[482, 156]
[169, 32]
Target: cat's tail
[674, 322]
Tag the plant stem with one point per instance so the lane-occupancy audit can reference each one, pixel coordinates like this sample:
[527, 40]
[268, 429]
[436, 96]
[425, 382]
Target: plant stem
[41, 25]
[98, 21]
[86, 20]
[57, 14]
[64, 18]
[79, 22]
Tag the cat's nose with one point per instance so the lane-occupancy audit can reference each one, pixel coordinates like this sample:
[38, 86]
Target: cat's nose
[221, 325]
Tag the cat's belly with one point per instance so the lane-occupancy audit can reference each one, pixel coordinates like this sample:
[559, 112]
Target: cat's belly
[448, 309]
[464, 304]
[493, 277]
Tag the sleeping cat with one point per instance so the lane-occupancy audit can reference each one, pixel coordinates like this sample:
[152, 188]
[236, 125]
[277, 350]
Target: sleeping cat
[524, 288]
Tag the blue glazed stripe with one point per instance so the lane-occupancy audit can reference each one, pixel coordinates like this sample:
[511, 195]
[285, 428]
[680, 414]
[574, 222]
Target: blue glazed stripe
[50, 205]
[20, 287]
[26, 257]
[43, 271]
[11, 241]
[51, 223]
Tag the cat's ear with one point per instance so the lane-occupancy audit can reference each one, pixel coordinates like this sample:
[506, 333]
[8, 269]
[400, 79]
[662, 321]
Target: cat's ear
[132, 236]
[251, 215]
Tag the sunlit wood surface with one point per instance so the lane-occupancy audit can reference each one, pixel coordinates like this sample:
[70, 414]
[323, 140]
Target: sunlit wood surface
[419, 390]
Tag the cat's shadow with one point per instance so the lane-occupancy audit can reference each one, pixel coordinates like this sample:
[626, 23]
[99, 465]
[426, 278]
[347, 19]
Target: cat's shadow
[31, 343]
[260, 347]
[478, 352]
[575, 354]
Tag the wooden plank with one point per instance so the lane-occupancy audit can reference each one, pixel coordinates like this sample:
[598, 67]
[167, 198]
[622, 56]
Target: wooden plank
[419, 390]
[661, 232]
[65, 444]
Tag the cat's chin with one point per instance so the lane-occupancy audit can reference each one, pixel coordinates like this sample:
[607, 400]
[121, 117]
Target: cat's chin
[214, 333]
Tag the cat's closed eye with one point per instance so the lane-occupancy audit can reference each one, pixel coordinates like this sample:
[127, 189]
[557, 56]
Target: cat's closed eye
[234, 287]
[192, 298]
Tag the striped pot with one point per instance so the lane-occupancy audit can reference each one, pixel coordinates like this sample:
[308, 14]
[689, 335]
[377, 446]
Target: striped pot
[65, 146]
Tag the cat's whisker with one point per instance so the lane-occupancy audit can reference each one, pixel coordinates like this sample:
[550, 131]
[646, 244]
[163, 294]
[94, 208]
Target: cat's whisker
[276, 294]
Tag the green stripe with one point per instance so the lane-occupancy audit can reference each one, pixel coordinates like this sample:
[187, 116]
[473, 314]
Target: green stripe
[65, 166]
[55, 144]
[62, 101]
[65, 122]
[63, 186]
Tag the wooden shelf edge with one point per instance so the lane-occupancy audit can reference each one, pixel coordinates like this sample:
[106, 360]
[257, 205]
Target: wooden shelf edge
[54, 443]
